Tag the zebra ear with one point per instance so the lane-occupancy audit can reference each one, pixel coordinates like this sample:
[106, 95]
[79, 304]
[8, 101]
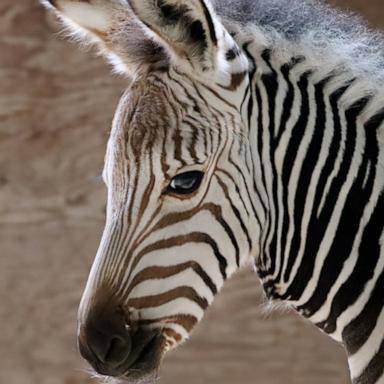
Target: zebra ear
[137, 34]
[89, 19]
[188, 29]
[111, 25]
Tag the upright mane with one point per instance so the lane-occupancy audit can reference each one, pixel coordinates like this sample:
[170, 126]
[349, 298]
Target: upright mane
[313, 26]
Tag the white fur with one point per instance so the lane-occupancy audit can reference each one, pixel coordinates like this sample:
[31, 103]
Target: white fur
[86, 15]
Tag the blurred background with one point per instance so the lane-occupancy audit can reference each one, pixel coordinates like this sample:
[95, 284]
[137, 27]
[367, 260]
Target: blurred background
[56, 107]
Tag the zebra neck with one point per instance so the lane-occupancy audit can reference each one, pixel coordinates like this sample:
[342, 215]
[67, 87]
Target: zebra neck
[316, 142]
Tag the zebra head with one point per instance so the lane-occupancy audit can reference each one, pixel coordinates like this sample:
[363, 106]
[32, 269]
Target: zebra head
[178, 173]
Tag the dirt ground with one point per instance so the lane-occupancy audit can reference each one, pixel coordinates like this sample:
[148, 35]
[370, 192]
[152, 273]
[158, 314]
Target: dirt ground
[56, 106]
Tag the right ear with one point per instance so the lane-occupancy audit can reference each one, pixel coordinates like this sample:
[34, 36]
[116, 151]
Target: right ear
[111, 25]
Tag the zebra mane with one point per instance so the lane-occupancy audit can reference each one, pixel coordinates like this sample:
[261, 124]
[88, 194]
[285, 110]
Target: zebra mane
[332, 35]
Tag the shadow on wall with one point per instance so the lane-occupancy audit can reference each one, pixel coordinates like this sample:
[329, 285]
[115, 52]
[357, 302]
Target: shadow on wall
[56, 105]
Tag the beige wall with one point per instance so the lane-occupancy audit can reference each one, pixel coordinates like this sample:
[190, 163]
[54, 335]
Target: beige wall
[56, 105]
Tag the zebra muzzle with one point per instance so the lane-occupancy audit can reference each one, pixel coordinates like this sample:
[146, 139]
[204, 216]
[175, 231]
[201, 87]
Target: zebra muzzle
[116, 348]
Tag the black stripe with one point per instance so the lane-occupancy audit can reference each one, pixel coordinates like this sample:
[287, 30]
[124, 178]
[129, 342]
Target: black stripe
[309, 163]
[369, 249]
[232, 238]
[240, 195]
[250, 197]
[357, 331]
[271, 86]
[250, 111]
[348, 225]
[375, 369]
[236, 212]
[289, 159]
[375, 121]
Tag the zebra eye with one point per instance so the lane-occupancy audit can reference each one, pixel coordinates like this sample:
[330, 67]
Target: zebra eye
[185, 183]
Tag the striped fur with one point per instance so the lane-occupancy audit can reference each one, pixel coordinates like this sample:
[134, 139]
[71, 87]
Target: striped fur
[290, 138]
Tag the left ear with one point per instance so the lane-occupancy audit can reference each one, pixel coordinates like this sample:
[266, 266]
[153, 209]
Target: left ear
[188, 29]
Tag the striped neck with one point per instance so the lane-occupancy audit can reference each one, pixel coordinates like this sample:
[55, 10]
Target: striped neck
[314, 140]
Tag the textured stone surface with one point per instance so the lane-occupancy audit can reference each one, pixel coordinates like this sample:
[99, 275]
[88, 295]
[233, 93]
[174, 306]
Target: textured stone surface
[56, 105]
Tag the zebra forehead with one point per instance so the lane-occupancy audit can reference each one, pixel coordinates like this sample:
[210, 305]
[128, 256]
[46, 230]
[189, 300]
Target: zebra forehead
[148, 108]
[148, 116]
[152, 110]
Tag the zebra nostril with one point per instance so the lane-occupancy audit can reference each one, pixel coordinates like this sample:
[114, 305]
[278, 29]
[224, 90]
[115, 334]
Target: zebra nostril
[110, 350]
[118, 350]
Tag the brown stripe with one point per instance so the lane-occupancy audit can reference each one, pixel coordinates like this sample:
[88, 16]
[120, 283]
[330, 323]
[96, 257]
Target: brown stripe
[147, 194]
[166, 297]
[193, 237]
[173, 334]
[177, 217]
[236, 80]
[158, 272]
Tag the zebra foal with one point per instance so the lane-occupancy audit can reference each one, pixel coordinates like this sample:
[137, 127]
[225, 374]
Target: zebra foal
[251, 132]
